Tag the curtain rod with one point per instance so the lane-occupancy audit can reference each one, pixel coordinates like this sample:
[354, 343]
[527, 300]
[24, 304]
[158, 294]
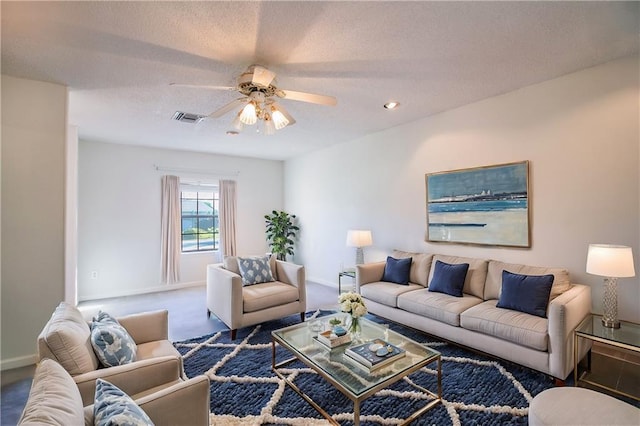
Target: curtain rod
[196, 171]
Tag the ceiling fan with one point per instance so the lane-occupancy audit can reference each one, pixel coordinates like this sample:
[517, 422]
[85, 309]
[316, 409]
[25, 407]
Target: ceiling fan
[260, 94]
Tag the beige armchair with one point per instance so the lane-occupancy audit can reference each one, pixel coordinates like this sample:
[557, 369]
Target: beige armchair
[54, 398]
[241, 306]
[66, 339]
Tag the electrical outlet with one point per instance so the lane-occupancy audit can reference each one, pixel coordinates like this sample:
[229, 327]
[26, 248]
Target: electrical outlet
[94, 275]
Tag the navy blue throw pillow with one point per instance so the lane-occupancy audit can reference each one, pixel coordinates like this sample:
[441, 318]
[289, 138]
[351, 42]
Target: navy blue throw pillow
[449, 278]
[397, 270]
[526, 293]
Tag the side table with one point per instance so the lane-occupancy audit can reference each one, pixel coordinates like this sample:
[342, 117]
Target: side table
[351, 273]
[591, 328]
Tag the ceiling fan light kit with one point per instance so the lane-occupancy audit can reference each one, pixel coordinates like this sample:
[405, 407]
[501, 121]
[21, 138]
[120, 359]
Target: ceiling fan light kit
[257, 85]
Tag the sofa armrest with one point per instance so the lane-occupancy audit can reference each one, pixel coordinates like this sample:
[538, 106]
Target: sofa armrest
[132, 378]
[224, 295]
[290, 273]
[185, 403]
[369, 273]
[565, 313]
[147, 326]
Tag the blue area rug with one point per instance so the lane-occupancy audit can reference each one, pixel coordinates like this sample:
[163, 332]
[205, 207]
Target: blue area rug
[244, 390]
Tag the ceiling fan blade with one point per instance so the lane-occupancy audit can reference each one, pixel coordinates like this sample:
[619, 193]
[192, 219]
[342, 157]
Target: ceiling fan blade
[228, 107]
[201, 86]
[308, 97]
[284, 112]
[262, 76]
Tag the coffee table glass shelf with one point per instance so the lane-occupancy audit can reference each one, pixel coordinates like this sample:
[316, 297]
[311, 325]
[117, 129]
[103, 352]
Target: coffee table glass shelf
[353, 380]
[626, 337]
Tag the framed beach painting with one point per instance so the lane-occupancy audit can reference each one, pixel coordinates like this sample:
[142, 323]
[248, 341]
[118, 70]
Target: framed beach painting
[483, 205]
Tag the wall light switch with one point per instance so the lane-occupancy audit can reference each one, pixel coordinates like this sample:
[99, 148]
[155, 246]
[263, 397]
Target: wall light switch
[94, 275]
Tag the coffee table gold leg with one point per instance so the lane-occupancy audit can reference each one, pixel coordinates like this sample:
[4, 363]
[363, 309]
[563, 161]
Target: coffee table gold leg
[273, 354]
[356, 413]
[439, 378]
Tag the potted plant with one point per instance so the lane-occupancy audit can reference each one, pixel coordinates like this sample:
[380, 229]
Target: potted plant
[281, 232]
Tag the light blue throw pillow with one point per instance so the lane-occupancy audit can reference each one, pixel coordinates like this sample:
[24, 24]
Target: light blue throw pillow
[112, 407]
[255, 270]
[111, 342]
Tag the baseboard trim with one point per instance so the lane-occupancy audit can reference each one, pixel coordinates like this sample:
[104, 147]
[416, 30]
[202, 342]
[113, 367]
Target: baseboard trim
[17, 362]
[156, 289]
[322, 282]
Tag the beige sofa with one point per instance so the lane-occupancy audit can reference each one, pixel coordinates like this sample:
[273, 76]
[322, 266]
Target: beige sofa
[543, 344]
[54, 398]
[66, 338]
[241, 306]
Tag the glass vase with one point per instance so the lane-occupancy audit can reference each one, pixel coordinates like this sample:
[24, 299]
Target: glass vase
[355, 328]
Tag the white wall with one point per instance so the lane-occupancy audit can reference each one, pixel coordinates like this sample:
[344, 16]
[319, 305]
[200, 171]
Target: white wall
[119, 214]
[33, 174]
[580, 133]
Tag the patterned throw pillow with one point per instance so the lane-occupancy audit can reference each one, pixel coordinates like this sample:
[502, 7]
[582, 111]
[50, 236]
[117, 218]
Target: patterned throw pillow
[111, 342]
[255, 270]
[113, 407]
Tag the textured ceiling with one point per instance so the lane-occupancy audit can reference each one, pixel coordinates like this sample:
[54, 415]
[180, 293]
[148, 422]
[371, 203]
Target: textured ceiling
[118, 58]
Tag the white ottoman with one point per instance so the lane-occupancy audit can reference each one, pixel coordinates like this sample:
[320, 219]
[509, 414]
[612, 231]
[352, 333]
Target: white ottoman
[578, 406]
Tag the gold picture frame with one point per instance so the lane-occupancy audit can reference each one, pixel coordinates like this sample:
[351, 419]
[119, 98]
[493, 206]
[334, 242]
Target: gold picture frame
[486, 205]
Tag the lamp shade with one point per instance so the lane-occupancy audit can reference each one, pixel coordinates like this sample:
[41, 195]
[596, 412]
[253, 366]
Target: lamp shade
[610, 261]
[359, 238]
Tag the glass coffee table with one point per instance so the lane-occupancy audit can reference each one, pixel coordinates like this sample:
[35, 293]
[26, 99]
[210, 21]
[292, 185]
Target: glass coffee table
[353, 380]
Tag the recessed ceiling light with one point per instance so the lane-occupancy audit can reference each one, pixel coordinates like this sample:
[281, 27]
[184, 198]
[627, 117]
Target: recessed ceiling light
[392, 105]
[232, 133]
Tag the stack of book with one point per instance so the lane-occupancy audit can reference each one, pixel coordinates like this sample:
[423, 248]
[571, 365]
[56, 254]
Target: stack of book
[331, 340]
[375, 354]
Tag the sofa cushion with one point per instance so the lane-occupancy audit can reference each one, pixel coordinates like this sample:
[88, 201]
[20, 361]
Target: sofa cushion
[54, 398]
[114, 407]
[255, 270]
[397, 270]
[66, 338]
[526, 293]
[476, 275]
[513, 326]
[561, 281]
[266, 295]
[438, 306]
[386, 293]
[449, 278]
[420, 265]
[111, 342]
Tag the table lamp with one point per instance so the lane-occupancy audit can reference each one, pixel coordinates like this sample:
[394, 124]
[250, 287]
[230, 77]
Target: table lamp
[611, 262]
[358, 239]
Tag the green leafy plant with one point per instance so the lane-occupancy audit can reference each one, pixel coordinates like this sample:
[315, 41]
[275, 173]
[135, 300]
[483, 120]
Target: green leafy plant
[281, 232]
[335, 321]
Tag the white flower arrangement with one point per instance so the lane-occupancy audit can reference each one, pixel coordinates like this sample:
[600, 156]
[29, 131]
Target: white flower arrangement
[352, 304]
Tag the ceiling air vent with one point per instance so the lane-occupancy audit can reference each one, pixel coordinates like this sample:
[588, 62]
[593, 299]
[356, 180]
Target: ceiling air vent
[186, 117]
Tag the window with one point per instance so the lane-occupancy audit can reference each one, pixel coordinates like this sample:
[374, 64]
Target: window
[200, 226]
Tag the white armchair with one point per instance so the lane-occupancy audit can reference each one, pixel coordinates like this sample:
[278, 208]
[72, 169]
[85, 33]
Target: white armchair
[241, 306]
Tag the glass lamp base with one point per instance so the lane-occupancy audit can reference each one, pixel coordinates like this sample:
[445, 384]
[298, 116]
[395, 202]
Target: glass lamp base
[610, 303]
[611, 324]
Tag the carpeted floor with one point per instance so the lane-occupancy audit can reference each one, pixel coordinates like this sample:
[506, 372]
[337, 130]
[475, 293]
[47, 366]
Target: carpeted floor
[476, 390]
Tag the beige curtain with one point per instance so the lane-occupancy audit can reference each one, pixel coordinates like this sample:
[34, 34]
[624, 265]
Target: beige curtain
[228, 217]
[171, 229]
